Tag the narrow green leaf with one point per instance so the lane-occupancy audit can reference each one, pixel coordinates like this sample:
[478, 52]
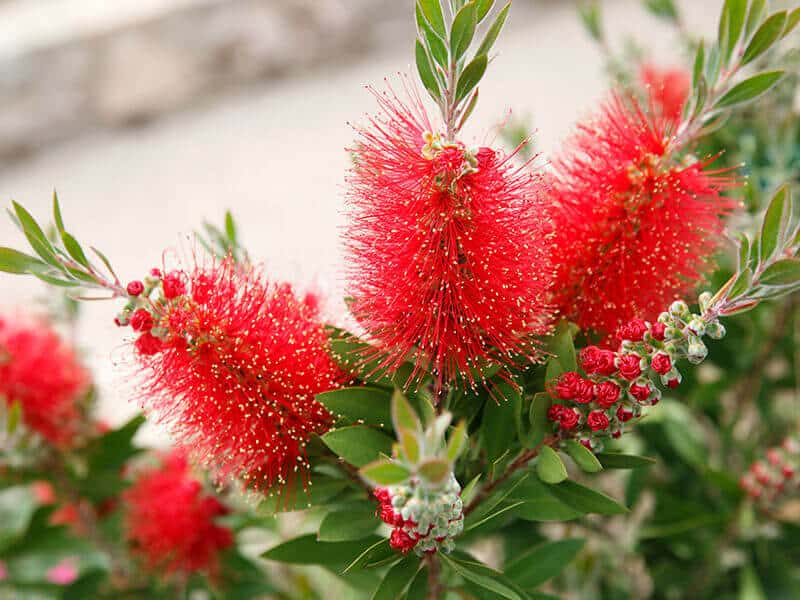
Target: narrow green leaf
[540, 504]
[471, 77]
[368, 405]
[769, 32]
[699, 63]
[468, 492]
[742, 283]
[485, 578]
[398, 579]
[586, 499]
[494, 31]
[403, 416]
[14, 416]
[352, 523]
[613, 460]
[755, 16]
[744, 251]
[589, 12]
[59, 221]
[562, 348]
[433, 13]
[385, 473]
[549, 466]
[484, 6]
[532, 568]
[104, 260]
[433, 43]
[540, 424]
[712, 65]
[791, 21]
[307, 550]
[18, 263]
[776, 221]
[230, 226]
[434, 470]
[582, 456]
[36, 237]
[782, 272]
[409, 445]
[457, 441]
[749, 88]
[74, 249]
[664, 9]
[358, 444]
[463, 30]
[374, 552]
[735, 11]
[426, 72]
[320, 489]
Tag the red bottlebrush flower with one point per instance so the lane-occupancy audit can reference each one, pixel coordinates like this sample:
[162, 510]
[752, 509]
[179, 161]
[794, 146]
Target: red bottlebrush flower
[668, 89]
[607, 394]
[633, 331]
[630, 366]
[147, 344]
[595, 360]
[661, 363]
[634, 225]
[597, 420]
[236, 374]
[42, 373]
[173, 285]
[447, 247]
[169, 520]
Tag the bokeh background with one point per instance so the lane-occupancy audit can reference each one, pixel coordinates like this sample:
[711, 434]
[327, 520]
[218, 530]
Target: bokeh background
[151, 116]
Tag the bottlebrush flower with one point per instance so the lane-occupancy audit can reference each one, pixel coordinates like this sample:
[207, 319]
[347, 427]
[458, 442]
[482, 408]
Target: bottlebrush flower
[447, 261]
[232, 364]
[668, 89]
[42, 373]
[169, 520]
[633, 225]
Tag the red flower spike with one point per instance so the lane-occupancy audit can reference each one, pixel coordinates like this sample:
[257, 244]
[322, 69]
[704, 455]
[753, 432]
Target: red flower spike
[169, 520]
[447, 247]
[633, 225]
[42, 373]
[668, 89]
[236, 375]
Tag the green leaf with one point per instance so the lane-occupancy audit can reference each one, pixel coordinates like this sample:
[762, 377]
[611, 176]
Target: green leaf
[483, 577]
[776, 221]
[358, 444]
[614, 460]
[484, 6]
[755, 16]
[432, 11]
[468, 492]
[699, 63]
[463, 30]
[731, 23]
[230, 226]
[375, 552]
[368, 405]
[434, 44]
[664, 9]
[104, 260]
[17, 505]
[540, 424]
[749, 88]
[549, 466]
[418, 590]
[491, 515]
[353, 523]
[434, 470]
[18, 263]
[562, 348]
[307, 550]
[769, 32]
[498, 421]
[791, 22]
[426, 72]
[13, 416]
[493, 32]
[409, 445]
[543, 562]
[744, 251]
[540, 504]
[742, 283]
[403, 415]
[397, 579]
[590, 17]
[457, 441]
[782, 272]
[318, 491]
[470, 77]
[582, 456]
[586, 500]
[36, 237]
[385, 473]
[750, 587]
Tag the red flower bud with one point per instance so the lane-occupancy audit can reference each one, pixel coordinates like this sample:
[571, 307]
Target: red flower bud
[661, 363]
[773, 456]
[155, 273]
[568, 418]
[135, 288]
[554, 412]
[624, 414]
[616, 434]
[141, 320]
[400, 540]
[633, 331]
[584, 391]
[597, 360]
[640, 392]
[607, 394]
[567, 384]
[630, 366]
[148, 344]
[586, 444]
[173, 285]
[657, 330]
[673, 383]
[787, 471]
[597, 420]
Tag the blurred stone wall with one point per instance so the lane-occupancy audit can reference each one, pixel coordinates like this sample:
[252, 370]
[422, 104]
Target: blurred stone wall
[138, 71]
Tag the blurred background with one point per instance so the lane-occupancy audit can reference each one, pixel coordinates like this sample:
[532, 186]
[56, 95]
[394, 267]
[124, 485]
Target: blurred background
[151, 116]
